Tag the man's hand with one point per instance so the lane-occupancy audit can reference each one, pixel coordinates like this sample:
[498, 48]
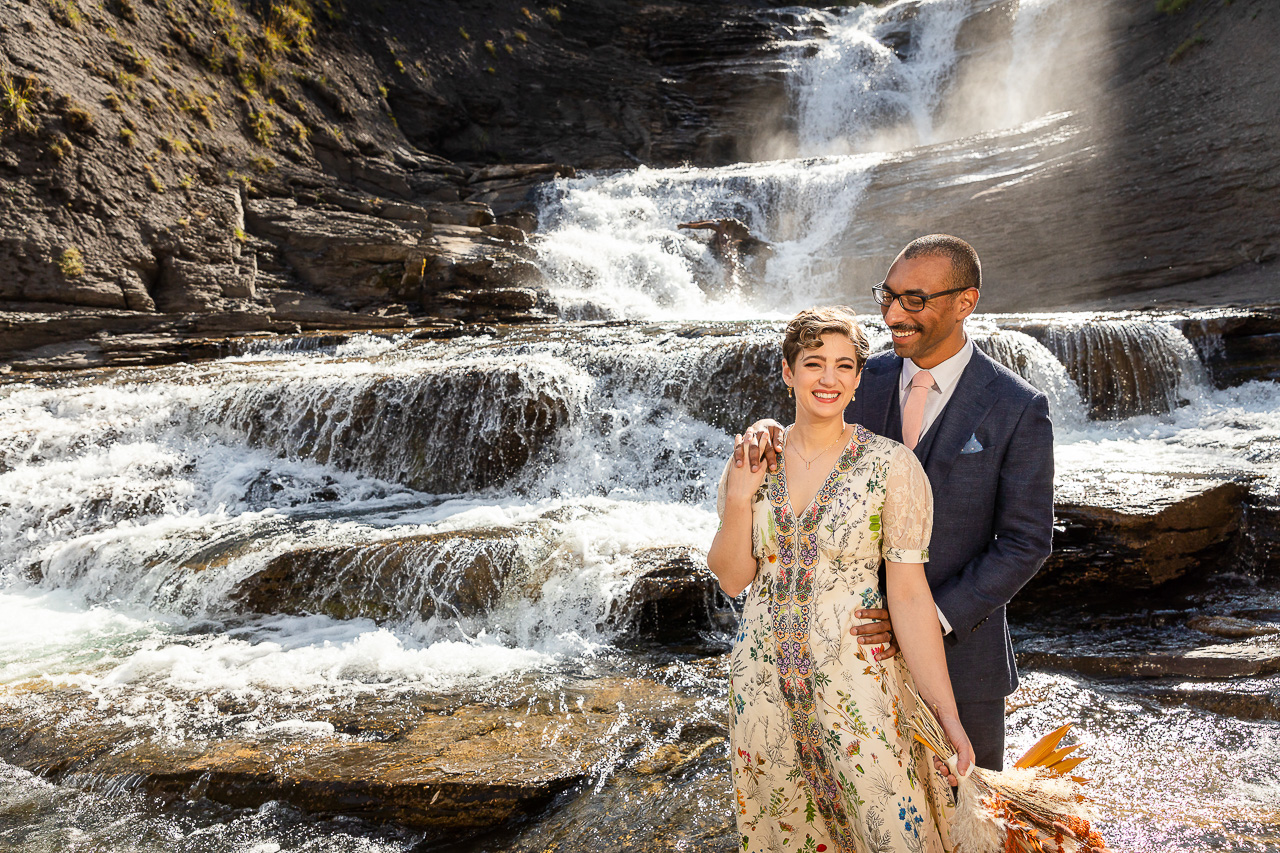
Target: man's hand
[759, 446]
[879, 631]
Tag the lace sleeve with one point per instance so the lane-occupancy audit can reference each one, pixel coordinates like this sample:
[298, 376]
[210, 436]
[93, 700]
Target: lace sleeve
[908, 509]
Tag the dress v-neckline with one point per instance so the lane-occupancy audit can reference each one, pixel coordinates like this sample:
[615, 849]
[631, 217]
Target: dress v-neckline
[786, 487]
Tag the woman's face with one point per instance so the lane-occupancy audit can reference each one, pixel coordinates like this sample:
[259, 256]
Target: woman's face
[824, 377]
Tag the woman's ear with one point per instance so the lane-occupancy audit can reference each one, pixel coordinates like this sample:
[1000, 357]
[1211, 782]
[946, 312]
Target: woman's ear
[787, 376]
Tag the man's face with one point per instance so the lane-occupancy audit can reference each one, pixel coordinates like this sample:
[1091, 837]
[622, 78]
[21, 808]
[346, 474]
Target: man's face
[934, 334]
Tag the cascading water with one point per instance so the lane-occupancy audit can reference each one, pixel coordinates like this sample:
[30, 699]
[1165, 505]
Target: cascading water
[1028, 358]
[610, 244]
[249, 550]
[1127, 366]
[877, 80]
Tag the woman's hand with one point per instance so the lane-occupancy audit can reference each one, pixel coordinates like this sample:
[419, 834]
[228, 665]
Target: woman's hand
[744, 480]
[729, 557]
[964, 751]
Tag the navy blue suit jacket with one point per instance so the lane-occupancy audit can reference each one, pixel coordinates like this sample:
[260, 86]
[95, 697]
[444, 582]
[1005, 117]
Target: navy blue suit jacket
[992, 508]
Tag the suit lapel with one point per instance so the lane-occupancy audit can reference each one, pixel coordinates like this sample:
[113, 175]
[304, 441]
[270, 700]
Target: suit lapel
[974, 396]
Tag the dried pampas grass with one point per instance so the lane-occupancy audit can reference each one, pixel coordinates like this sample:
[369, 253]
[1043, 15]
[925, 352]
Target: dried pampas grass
[1035, 807]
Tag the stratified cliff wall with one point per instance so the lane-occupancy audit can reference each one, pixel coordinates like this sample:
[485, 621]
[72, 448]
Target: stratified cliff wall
[185, 167]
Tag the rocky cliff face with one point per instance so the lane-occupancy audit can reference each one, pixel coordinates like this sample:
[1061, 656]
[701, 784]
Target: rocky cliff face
[192, 168]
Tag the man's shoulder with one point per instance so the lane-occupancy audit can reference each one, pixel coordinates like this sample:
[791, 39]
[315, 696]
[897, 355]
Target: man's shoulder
[1010, 387]
[884, 361]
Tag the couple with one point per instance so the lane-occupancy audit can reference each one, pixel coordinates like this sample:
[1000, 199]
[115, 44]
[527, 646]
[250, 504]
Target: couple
[822, 757]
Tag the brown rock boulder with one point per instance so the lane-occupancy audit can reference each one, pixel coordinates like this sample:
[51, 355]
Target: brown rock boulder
[444, 430]
[1226, 660]
[1125, 531]
[1242, 698]
[359, 259]
[415, 577]
[421, 764]
[675, 596]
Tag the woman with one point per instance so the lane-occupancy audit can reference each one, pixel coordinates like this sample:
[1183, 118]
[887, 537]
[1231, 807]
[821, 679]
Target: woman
[822, 756]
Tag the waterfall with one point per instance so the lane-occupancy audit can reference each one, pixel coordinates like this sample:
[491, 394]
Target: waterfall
[1125, 367]
[877, 80]
[610, 246]
[1027, 357]
[447, 426]
[864, 95]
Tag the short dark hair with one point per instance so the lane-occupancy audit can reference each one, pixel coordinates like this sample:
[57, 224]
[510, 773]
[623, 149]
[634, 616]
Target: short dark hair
[966, 269]
[806, 329]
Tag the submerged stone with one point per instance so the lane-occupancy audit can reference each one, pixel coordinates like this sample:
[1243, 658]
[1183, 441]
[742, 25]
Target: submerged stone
[464, 766]
[1242, 698]
[461, 573]
[1220, 661]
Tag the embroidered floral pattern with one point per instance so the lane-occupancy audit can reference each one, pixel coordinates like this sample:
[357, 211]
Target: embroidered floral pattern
[822, 760]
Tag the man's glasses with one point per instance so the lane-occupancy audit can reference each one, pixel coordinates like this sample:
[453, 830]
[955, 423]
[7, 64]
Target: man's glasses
[912, 302]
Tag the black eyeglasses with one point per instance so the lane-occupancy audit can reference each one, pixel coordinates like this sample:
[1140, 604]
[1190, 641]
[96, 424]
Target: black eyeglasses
[912, 302]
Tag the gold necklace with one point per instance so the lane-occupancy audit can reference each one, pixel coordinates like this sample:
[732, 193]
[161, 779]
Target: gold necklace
[808, 463]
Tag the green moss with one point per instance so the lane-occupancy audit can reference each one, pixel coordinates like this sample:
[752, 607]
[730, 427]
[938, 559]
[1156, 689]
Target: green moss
[1170, 7]
[17, 103]
[128, 137]
[1180, 50]
[66, 12]
[71, 262]
[77, 118]
[157, 186]
[59, 146]
[261, 126]
[173, 145]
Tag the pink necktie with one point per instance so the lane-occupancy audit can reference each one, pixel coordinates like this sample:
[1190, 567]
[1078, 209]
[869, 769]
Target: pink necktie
[913, 411]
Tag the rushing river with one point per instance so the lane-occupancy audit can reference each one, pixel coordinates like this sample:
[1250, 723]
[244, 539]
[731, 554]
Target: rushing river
[138, 507]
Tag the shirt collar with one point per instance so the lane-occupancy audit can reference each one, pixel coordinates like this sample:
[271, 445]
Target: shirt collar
[945, 375]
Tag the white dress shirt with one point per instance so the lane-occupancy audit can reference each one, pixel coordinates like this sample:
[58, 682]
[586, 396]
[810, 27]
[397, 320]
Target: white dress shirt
[946, 376]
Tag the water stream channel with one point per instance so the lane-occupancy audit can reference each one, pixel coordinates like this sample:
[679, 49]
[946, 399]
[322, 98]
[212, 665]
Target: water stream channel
[319, 542]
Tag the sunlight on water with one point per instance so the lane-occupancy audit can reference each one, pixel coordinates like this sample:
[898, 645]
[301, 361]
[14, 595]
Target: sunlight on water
[1163, 778]
[234, 549]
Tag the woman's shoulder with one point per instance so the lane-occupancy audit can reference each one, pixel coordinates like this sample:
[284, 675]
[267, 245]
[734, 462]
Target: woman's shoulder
[897, 453]
[873, 441]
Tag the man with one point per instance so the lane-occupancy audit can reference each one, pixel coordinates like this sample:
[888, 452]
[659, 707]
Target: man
[984, 438]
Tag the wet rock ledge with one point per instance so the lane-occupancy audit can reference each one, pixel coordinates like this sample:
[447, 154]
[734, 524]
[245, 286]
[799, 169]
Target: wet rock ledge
[420, 761]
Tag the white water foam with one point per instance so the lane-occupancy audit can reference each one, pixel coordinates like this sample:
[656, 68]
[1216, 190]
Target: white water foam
[610, 245]
[855, 93]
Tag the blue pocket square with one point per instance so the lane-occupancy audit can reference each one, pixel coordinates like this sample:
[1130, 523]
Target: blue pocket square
[972, 445]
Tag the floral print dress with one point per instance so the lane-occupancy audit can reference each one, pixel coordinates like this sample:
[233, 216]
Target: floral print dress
[822, 757]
